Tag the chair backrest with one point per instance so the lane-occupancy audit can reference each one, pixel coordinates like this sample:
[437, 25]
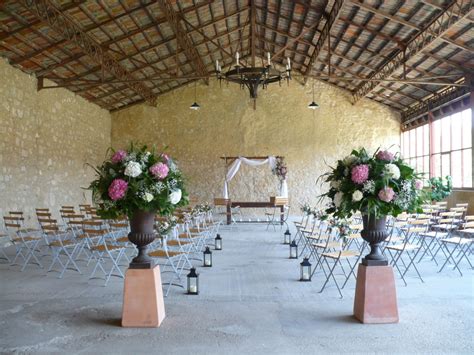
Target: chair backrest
[462, 205]
[441, 203]
[13, 222]
[469, 218]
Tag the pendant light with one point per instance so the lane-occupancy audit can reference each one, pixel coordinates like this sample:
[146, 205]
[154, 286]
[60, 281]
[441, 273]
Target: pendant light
[195, 106]
[313, 105]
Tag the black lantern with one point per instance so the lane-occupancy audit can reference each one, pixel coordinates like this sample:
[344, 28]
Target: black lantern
[218, 242]
[193, 282]
[287, 237]
[207, 257]
[305, 270]
[293, 250]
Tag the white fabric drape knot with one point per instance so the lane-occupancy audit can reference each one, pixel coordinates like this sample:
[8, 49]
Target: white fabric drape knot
[234, 168]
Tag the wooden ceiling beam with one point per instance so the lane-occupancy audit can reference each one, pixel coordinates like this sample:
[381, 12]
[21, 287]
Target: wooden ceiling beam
[67, 27]
[462, 67]
[184, 41]
[153, 46]
[385, 15]
[156, 78]
[64, 8]
[325, 34]
[440, 25]
[282, 33]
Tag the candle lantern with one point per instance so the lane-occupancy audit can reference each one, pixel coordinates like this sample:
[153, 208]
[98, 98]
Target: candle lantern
[287, 237]
[218, 242]
[305, 270]
[293, 250]
[207, 257]
[193, 282]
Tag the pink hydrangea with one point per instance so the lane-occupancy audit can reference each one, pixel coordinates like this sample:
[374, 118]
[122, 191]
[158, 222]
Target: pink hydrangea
[386, 194]
[385, 155]
[360, 173]
[119, 156]
[159, 170]
[418, 184]
[118, 189]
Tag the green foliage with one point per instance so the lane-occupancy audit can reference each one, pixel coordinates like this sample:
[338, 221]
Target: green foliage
[144, 191]
[440, 188]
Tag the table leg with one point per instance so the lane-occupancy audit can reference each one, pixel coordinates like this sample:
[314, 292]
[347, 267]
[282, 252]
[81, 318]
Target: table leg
[228, 214]
[282, 215]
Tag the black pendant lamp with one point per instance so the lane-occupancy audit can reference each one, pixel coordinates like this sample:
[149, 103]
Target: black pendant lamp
[195, 106]
[313, 105]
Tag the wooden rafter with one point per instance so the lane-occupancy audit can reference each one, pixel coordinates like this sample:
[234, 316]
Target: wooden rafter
[184, 41]
[64, 25]
[325, 34]
[436, 29]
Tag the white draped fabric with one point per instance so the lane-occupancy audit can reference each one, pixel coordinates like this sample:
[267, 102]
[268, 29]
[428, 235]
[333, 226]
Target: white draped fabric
[234, 168]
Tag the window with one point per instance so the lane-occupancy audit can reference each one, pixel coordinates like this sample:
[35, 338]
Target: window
[443, 147]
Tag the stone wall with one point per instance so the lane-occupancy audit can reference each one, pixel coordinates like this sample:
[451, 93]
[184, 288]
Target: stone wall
[227, 125]
[46, 138]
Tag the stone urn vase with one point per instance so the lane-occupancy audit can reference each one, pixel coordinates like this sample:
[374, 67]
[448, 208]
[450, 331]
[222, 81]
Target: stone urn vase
[374, 233]
[142, 233]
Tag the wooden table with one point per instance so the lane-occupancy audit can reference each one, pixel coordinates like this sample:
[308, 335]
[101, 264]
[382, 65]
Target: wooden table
[249, 204]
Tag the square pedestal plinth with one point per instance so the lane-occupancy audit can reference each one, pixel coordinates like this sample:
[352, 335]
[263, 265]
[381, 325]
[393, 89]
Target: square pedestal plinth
[375, 297]
[143, 305]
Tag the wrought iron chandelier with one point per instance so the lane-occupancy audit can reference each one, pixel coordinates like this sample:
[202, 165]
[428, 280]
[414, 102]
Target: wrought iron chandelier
[254, 77]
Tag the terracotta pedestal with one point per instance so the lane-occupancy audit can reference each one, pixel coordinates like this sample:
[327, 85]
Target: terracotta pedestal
[143, 305]
[375, 297]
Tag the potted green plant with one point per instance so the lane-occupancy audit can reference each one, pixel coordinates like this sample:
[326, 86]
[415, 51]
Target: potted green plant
[138, 183]
[440, 188]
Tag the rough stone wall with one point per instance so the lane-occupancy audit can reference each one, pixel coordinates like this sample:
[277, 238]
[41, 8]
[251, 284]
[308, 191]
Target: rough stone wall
[227, 125]
[46, 138]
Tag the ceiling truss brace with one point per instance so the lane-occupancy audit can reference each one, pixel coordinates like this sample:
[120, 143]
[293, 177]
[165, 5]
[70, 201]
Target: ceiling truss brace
[325, 33]
[445, 96]
[452, 15]
[184, 41]
[64, 25]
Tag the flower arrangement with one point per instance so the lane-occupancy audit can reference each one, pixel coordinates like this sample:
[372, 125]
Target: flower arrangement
[165, 227]
[280, 169]
[378, 185]
[138, 179]
[440, 188]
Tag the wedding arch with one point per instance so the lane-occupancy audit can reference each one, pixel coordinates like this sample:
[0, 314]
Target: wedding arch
[233, 165]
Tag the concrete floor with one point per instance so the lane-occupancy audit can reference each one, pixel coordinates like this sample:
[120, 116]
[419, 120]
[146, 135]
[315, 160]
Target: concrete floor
[250, 303]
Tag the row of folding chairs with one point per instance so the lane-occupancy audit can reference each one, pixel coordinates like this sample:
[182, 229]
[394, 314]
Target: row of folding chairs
[82, 239]
[446, 236]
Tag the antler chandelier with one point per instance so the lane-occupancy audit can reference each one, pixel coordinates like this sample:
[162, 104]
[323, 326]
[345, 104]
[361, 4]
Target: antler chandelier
[254, 77]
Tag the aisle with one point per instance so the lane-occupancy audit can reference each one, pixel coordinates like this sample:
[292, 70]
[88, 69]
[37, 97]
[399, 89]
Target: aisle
[250, 303]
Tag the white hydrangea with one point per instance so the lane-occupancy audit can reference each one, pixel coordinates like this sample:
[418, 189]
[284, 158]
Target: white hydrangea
[175, 196]
[148, 197]
[392, 171]
[357, 196]
[338, 199]
[335, 184]
[133, 169]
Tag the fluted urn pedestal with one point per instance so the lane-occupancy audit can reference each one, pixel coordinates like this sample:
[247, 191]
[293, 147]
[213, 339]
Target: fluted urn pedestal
[142, 233]
[143, 304]
[375, 298]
